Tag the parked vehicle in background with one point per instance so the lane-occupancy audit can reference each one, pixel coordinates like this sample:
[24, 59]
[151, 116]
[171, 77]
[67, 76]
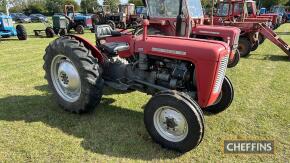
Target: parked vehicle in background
[103, 15]
[280, 10]
[263, 10]
[38, 18]
[141, 10]
[20, 18]
[8, 30]
[131, 19]
[251, 28]
[64, 22]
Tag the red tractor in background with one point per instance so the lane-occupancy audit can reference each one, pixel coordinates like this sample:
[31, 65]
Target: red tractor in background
[252, 13]
[104, 15]
[233, 13]
[133, 20]
[165, 25]
[185, 76]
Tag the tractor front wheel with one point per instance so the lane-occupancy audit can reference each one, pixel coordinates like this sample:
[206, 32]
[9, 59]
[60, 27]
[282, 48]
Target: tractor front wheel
[244, 47]
[255, 46]
[174, 121]
[73, 74]
[62, 32]
[21, 32]
[80, 29]
[235, 60]
[49, 32]
[225, 98]
[261, 38]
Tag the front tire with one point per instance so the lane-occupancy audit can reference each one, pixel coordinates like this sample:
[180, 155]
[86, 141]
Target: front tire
[244, 47]
[261, 38]
[255, 46]
[224, 100]
[80, 29]
[235, 61]
[49, 32]
[174, 121]
[21, 32]
[73, 74]
[62, 32]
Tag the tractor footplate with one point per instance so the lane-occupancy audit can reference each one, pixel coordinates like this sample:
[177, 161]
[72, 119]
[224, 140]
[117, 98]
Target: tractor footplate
[117, 85]
[112, 48]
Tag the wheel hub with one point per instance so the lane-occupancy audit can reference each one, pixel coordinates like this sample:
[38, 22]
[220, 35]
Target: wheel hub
[65, 78]
[68, 76]
[171, 124]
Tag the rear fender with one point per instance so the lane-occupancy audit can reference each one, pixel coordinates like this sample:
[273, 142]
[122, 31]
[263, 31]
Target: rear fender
[95, 52]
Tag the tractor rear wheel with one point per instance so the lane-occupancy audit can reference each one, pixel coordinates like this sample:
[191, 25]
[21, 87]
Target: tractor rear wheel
[21, 32]
[225, 98]
[235, 60]
[80, 29]
[174, 121]
[49, 32]
[255, 46]
[73, 75]
[112, 24]
[244, 47]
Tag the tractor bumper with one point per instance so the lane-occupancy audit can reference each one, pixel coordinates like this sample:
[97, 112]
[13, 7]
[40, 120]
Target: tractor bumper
[8, 33]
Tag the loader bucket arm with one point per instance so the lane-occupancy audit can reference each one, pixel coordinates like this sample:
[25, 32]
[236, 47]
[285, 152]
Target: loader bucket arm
[274, 38]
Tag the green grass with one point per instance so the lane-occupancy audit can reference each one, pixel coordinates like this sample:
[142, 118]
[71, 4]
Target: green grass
[34, 128]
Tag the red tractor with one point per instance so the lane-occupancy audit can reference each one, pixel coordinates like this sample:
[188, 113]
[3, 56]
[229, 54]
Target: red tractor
[234, 13]
[185, 76]
[165, 25]
[133, 20]
[252, 13]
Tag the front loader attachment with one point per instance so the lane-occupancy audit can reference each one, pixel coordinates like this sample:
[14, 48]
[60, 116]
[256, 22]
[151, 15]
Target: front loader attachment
[273, 37]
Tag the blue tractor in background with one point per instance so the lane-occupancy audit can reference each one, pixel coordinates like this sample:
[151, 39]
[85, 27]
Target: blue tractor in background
[8, 30]
[63, 23]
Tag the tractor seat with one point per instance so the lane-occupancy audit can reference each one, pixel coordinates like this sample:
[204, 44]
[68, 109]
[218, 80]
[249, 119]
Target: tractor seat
[103, 31]
[112, 48]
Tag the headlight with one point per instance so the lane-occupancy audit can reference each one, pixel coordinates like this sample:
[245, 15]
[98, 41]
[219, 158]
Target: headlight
[221, 74]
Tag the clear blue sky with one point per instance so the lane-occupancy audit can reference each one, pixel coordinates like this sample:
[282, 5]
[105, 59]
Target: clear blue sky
[101, 1]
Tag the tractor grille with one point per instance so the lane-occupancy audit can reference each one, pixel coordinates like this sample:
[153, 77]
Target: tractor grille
[221, 74]
[7, 22]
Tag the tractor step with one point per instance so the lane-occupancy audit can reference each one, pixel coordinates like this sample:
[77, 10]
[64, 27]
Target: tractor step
[274, 38]
[117, 85]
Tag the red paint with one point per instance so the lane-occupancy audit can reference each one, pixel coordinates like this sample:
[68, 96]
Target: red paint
[95, 52]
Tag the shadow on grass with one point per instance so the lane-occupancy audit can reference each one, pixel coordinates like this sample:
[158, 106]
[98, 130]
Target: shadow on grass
[283, 33]
[9, 39]
[270, 57]
[42, 35]
[110, 130]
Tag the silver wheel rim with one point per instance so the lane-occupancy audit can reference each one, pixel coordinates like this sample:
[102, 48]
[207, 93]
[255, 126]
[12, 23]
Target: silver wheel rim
[170, 124]
[65, 78]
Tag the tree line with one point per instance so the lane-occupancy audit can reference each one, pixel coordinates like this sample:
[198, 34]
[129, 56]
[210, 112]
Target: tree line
[51, 6]
[56, 6]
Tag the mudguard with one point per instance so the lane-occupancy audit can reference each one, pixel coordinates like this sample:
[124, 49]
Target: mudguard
[95, 52]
